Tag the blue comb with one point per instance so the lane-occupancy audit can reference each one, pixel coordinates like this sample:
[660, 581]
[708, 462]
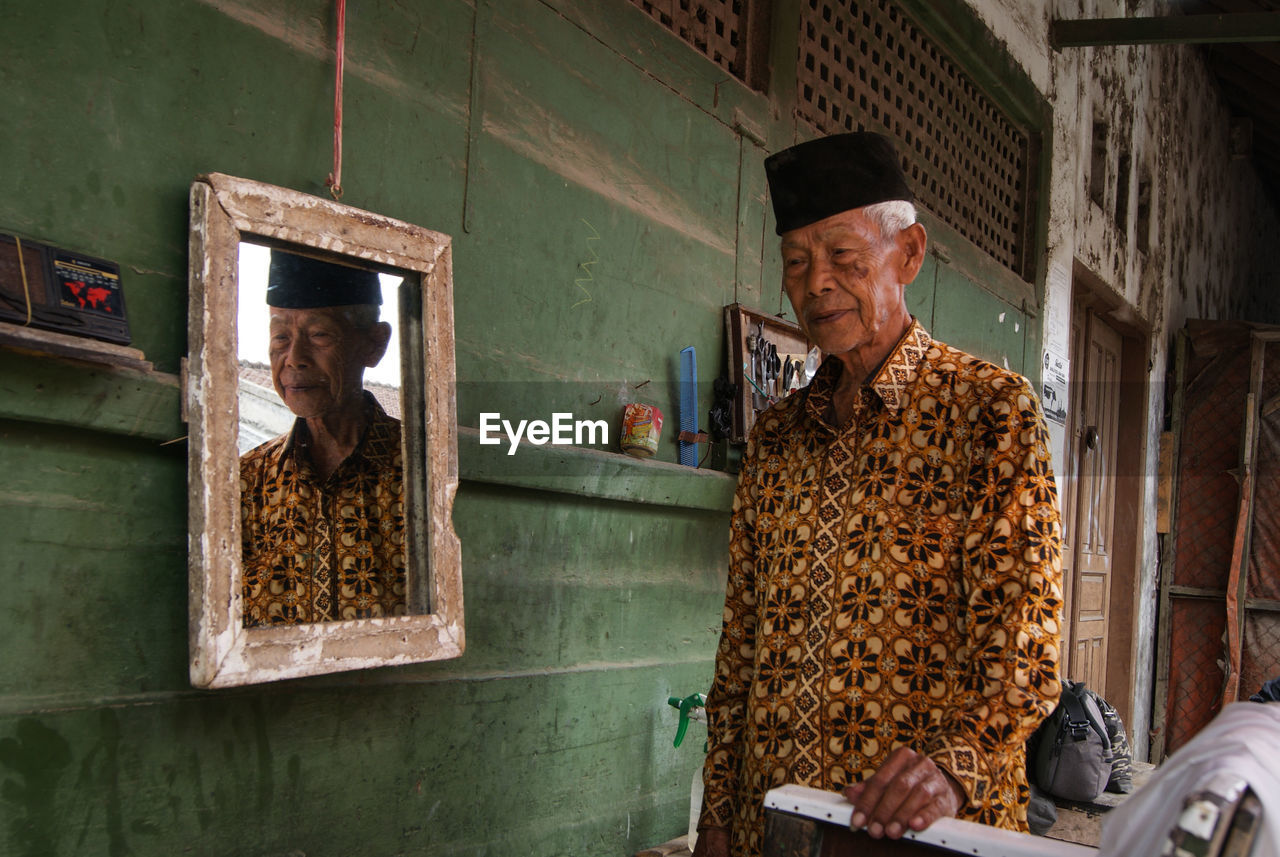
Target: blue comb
[689, 404]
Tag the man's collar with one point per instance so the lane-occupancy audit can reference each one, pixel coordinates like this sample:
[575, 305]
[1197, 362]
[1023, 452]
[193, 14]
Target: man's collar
[377, 427]
[899, 369]
[889, 381]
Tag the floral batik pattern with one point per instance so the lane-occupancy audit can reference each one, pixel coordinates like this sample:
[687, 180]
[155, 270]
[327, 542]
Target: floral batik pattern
[894, 581]
[320, 551]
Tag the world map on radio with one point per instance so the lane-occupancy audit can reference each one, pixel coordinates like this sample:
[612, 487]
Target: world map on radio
[84, 288]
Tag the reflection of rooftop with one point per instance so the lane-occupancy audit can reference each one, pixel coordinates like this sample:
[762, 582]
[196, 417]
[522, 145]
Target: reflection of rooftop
[263, 416]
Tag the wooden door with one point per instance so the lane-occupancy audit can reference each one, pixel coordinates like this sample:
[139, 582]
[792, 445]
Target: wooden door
[1095, 430]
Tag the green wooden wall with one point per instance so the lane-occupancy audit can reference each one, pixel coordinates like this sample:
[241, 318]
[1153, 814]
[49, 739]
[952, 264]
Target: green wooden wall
[604, 204]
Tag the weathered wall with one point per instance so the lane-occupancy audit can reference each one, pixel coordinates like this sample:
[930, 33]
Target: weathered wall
[605, 203]
[1214, 203]
[551, 735]
[1210, 250]
[604, 207]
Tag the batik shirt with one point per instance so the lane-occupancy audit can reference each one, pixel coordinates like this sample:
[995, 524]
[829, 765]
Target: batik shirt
[322, 550]
[894, 581]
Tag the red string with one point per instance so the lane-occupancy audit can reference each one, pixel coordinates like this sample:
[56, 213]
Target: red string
[335, 178]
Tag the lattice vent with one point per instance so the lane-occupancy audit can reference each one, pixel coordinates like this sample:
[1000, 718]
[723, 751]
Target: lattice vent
[712, 27]
[864, 66]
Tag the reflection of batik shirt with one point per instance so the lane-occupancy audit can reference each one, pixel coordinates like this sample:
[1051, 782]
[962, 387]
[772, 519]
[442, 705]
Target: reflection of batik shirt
[318, 551]
[892, 582]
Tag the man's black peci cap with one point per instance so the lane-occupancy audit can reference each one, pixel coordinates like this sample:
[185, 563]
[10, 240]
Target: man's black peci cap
[300, 282]
[814, 180]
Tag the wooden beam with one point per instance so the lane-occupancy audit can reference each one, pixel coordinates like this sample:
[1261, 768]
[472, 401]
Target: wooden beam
[1268, 51]
[1226, 7]
[754, 48]
[1158, 734]
[1238, 580]
[1261, 59]
[1174, 29]
[1249, 96]
[1180, 591]
[1164, 484]
[115, 399]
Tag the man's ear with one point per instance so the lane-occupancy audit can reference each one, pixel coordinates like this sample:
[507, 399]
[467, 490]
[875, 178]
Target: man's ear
[379, 335]
[911, 244]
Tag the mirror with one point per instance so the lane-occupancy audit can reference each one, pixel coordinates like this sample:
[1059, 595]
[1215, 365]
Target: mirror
[322, 457]
[323, 441]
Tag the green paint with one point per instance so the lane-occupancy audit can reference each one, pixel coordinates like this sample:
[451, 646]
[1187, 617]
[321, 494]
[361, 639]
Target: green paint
[31, 764]
[591, 152]
[921, 291]
[979, 322]
[559, 763]
[69, 393]
[94, 558]
[606, 475]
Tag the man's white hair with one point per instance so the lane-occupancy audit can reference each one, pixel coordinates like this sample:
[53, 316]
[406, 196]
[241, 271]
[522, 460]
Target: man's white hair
[890, 217]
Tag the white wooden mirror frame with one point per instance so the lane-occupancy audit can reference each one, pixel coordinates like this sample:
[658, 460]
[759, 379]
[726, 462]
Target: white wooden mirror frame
[223, 652]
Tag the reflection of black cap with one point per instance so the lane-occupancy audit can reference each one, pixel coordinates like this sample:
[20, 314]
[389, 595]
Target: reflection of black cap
[814, 180]
[300, 282]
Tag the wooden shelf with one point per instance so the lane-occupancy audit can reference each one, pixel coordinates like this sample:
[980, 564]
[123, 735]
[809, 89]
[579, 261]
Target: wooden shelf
[48, 343]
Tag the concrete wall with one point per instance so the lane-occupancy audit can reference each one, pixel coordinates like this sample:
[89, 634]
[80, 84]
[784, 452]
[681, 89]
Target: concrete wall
[1210, 249]
[604, 206]
[604, 187]
[542, 137]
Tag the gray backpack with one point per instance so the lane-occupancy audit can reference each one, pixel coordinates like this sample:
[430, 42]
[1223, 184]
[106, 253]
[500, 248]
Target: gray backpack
[1072, 756]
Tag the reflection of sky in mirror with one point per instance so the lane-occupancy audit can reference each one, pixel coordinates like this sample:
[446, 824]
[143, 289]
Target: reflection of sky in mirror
[252, 323]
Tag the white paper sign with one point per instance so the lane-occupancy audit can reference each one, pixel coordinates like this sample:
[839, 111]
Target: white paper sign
[1053, 396]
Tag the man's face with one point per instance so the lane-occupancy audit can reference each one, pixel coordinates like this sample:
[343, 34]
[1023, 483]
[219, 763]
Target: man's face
[846, 282]
[318, 359]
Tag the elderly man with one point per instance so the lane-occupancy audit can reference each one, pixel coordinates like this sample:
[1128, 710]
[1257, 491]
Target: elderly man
[892, 608]
[322, 507]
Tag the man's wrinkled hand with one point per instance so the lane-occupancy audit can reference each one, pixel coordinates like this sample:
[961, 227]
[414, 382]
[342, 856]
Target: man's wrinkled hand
[712, 842]
[908, 792]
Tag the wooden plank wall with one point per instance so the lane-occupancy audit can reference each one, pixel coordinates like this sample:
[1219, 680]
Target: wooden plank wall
[604, 204]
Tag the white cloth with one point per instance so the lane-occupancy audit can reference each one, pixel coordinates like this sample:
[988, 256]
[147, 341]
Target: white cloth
[1243, 741]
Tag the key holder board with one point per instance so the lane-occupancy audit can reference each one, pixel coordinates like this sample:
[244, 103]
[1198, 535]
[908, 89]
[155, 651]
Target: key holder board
[760, 347]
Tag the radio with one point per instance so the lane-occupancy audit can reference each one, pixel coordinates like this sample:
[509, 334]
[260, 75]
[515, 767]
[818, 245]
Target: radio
[53, 289]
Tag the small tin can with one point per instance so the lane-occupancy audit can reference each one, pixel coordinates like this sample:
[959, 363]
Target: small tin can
[641, 429]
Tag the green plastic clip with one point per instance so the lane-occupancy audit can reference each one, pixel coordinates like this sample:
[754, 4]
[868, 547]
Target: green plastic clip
[687, 706]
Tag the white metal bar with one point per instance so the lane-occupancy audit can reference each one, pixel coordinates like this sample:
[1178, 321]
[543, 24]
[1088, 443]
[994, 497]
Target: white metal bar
[962, 837]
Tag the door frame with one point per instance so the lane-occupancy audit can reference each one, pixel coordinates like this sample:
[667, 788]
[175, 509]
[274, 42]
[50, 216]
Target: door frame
[1092, 299]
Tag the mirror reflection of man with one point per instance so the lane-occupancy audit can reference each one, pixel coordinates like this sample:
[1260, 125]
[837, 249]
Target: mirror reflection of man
[322, 506]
